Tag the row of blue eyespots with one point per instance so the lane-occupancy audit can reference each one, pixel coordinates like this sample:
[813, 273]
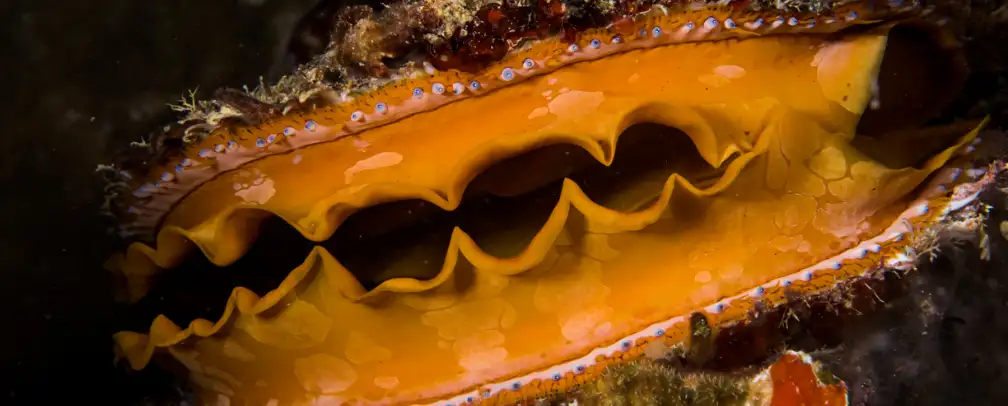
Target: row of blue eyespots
[436, 88]
[507, 74]
[807, 276]
[309, 125]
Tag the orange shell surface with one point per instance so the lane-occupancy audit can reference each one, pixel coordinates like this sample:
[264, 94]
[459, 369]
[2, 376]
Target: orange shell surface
[780, 200]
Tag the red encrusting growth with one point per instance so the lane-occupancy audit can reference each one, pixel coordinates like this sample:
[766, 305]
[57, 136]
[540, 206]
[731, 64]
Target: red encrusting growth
[795, 384]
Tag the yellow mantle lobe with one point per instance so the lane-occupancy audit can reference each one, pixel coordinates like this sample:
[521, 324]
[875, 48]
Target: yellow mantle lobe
[796, 194]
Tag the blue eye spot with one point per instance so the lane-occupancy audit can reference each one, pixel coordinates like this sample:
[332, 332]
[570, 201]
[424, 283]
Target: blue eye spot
[204, 153]
[178, 168]
[458, 88]
[659, 333]
[852, 16]
[689, 26]
[310, 125]
[219, 148]
[380, 108]
[718, 308]
[437, 88]
[787, 283]
[729, 24]
[289, 131]
[656, 32]
[528, 63]
[642, 33]
[616, 39]
[260, 142]
[710, 23]
[418, 92]
[232, 145]
[792, 21]
[626, 345]
[759, 291]
[573, 48]
[167, 177]
[516, 385]
[595, 43]
[469, 399]
[487, 393]
[557, 377]
[271, 138]
[474, 85]
[758, 23]
[185, 162]
[507, 74]
[579, 369]
[357, 116]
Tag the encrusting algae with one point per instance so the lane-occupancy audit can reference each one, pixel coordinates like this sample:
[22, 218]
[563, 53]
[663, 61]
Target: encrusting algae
[497, 202]
[791, 380]
[645, 383]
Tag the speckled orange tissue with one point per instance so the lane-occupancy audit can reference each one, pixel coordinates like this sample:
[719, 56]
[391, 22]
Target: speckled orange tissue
[501, 233]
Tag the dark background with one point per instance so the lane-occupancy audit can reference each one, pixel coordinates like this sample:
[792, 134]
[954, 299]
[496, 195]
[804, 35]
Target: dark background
[84, 78]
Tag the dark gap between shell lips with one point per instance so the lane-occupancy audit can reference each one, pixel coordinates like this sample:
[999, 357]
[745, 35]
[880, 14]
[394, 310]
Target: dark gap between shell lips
[409, 238]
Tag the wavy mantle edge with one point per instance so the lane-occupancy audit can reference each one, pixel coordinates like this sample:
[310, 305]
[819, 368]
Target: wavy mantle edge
[239, 223]
[888, 250]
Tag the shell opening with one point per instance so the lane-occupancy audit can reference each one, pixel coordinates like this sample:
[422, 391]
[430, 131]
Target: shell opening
[410, 238]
